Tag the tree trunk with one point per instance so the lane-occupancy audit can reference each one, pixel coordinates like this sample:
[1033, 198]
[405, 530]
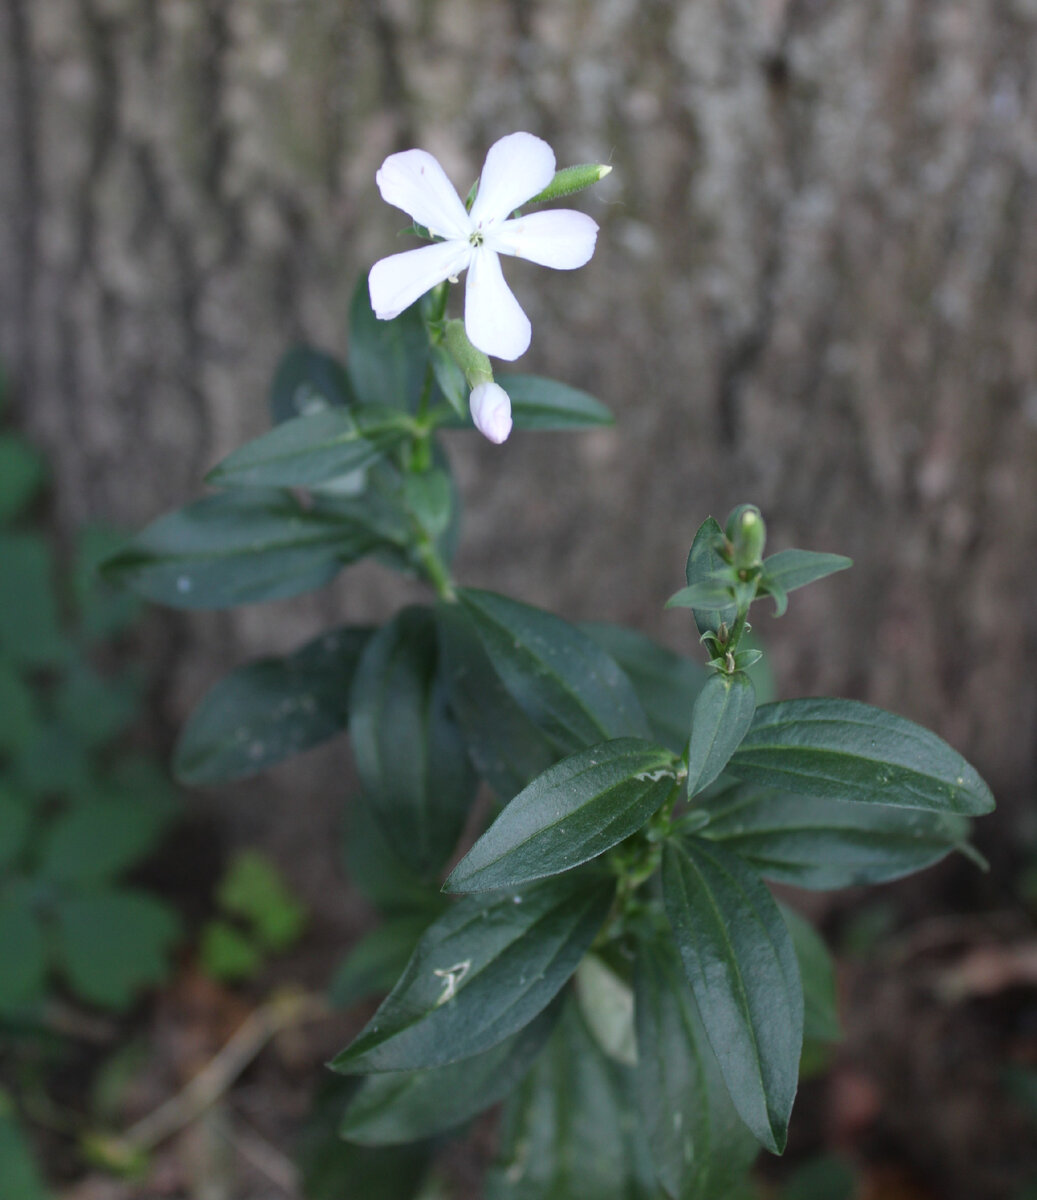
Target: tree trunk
[815, 288]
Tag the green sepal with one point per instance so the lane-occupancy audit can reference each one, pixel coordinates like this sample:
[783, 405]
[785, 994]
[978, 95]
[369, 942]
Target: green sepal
[569, 180]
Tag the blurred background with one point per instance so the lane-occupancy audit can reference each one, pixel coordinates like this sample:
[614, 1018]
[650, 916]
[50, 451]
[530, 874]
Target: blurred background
[815, 289]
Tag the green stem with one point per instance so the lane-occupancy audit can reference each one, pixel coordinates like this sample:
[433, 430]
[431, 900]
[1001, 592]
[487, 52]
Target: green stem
[436, 570]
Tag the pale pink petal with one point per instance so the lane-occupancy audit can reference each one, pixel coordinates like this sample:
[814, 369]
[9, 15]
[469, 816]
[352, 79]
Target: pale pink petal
[397, 281]
[516, 168]
[493, 319]
[414, 181]
[491, 411]
[558, 237]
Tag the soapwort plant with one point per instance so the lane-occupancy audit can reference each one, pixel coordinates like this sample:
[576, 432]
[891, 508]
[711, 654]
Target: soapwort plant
[606, 958]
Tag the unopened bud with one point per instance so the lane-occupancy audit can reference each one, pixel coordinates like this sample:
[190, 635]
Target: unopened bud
[569, 180]
[747, 534]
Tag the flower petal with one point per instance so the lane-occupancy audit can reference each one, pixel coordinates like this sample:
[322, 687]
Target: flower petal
[559, 237]
[414, 181]
[491, 411]
[493, 319]
[397, 281]
[516, 168]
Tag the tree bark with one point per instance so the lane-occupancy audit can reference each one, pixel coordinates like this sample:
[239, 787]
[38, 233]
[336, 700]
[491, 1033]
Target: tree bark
[815, 289]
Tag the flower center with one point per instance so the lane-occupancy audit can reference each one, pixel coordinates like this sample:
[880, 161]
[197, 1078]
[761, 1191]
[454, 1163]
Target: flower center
[475, 237]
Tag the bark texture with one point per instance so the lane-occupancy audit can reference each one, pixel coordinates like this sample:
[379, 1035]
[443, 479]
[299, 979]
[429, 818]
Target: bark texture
[815, 288]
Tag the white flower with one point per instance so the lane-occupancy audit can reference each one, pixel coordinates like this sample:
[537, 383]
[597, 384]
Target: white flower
[491, 411]
[517, 167]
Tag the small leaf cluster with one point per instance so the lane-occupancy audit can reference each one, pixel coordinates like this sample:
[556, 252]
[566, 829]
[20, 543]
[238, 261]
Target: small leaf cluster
[78, 812]
[607, 958]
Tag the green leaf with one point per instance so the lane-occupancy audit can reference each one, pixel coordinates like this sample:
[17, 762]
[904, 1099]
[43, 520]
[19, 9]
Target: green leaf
[402, 1106]
[482, 972]
[387, 359]
[817, 971]
[408, 750]
[238, 547]
[25, 949]
[30, 630]
[95, 709]
[545, 404]
[308, 381]
[98, 841]
[570, 1129]
[713, 590]
[666, 683]
[113, 943]
[607, 1007]
[700, 1148]
[575, 811]
[227, 954]
[378, 872]
[451, 381]
[254, 890]
[20, 1179]
[430, 497]
[820, 843]
[336, 1170]
[15, 822]
[104, 610]
[704, 559]
[22, 472]
[269, 710]
[850, 751]
[508, 750]
[313, 450]
[741, 964]
[563, 681]
[18, 714]
[723, 713]
[790, 569]
[374, 964]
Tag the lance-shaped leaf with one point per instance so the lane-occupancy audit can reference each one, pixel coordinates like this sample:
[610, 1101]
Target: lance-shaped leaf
[409, 752]
[507, 748]
[723, 713]
[310, 450]
[576, 810]
[817, 971]
[373, 965]
[814, 842]
[570, 1129]
[741, 964]
[482, 972]
[790, 569]
[700, 1147]
[545, 404]
[715, 589]
[562, 679]
[666, 683]
[238, 547]
[387, 359]
[269, 710]
[704, 560]
[851, 751]
[308, 381]
[402, 1106]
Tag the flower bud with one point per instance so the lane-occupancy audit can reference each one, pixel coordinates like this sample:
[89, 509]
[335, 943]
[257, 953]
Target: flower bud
[747, 534]
[491, 411]
[569, 180]
[472, 361]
